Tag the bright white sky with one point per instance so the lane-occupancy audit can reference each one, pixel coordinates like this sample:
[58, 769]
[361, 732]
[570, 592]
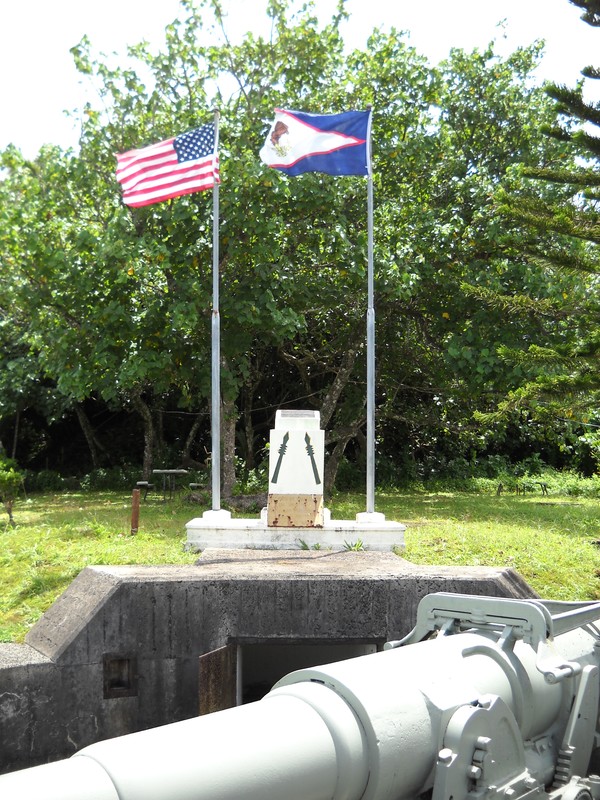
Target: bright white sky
[39, 81]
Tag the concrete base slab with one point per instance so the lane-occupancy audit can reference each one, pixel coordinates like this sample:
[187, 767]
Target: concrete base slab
[367, 532]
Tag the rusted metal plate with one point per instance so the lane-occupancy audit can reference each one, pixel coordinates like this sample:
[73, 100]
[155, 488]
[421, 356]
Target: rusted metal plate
[295, 510]
[217, 679]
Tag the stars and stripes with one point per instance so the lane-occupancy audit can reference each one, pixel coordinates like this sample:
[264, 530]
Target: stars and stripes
[181, 165]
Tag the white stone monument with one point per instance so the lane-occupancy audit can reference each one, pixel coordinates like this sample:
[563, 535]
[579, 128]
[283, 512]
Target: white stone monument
[296, 467]
[294, 516]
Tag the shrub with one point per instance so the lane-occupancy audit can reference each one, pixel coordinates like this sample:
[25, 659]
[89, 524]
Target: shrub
[47, 480]
[565, 483]
[121, 477]
[11, 482]
[251, 481]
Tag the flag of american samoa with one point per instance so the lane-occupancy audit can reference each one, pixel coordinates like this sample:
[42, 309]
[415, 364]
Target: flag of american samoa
[336, 144]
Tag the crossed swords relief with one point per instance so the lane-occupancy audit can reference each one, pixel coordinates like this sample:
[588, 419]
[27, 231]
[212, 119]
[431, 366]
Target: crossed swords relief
[310, 451]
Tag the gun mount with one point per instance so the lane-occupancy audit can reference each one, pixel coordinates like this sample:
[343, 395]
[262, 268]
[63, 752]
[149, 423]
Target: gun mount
[486, 698]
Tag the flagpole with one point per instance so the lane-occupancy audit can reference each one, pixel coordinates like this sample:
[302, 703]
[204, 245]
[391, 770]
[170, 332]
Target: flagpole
[216, 345]
[370, 490]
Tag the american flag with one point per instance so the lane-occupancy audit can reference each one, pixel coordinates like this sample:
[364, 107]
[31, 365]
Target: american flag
[181, 165]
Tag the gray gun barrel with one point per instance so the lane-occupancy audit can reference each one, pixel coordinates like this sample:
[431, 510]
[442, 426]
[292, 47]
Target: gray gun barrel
[468, 714]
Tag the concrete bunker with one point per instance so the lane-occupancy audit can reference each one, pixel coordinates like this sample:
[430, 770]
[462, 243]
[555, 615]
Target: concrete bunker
[135, 647]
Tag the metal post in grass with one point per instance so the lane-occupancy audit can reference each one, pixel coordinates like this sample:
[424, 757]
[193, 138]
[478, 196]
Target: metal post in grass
[135, 511]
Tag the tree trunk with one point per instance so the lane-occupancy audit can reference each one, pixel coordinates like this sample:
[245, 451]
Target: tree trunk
[340, 382]
[159, 430]
[328, 408]
[97, 451]
[149, 435]
[248, 426]
[13, 454]
[186, 457]
[333, 460]
[228, 421]
[8, 507]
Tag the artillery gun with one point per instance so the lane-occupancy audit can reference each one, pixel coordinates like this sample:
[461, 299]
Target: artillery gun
[487, 698]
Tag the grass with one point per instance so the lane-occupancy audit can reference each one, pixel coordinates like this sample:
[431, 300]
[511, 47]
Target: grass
[551, 541]
[58, 535]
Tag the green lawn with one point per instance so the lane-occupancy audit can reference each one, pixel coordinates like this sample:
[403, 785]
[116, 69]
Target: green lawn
[551, 541]
[58, 535]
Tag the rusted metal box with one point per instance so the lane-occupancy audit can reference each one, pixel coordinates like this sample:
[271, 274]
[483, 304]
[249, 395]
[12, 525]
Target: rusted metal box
[295, 510]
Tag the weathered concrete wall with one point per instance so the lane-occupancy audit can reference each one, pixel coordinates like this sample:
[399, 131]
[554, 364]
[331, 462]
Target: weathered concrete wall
[159, 620]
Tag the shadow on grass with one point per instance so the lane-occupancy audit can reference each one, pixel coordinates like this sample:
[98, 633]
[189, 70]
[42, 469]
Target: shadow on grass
[45, 582]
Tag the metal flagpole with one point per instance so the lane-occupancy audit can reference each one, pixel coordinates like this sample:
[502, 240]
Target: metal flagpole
[370, 342]
[216, 346]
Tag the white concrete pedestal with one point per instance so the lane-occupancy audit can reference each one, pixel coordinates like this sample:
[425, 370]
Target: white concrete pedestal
[216, 529]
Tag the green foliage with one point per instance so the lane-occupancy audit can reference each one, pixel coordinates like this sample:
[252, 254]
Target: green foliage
[113, 478]
[557, 221]
[46, 480]
[305, 546]
[355, 547]
[591, 11]
[11, 482]
[113, 305]
[506, 480]
[251, 481]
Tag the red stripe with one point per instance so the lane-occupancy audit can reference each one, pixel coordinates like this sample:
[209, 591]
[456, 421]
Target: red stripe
[355, 139]
[124, 164]
[319, 153]
[170, 195]
[195, 170]
[145, 152]
[158, 180]
[203, 180]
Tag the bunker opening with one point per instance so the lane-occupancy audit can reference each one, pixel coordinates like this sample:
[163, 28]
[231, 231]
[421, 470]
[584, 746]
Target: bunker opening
[244, 671]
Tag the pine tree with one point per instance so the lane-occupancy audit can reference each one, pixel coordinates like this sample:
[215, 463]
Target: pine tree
[557, 226]
[591, 11]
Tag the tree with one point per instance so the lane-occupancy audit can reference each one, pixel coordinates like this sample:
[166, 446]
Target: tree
[117, 301]
[591, 11]
[558, 219]
[447, 244]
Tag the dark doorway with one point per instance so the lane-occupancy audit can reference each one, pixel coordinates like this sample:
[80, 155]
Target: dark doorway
[242, 672]
[263, 664]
